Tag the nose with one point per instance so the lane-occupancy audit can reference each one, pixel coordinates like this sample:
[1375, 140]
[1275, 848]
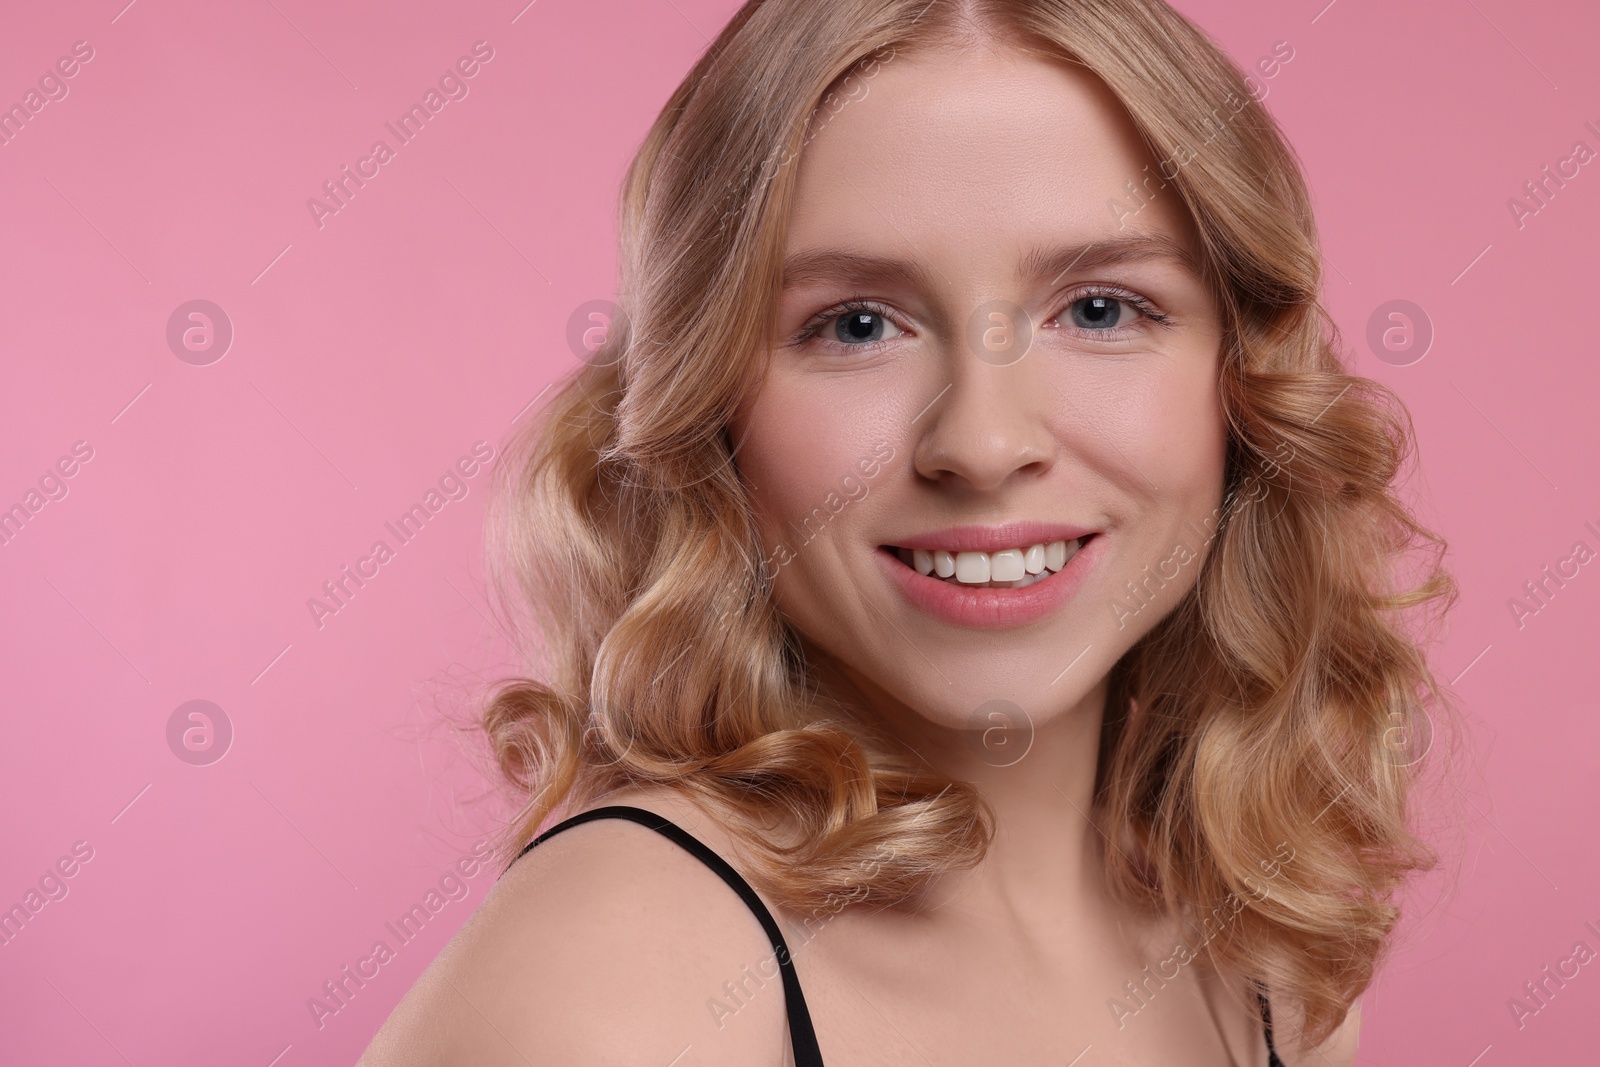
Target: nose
[987, 428]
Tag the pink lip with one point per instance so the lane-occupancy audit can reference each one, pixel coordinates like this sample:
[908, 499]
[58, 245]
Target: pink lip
[992, 609]
[991, 538]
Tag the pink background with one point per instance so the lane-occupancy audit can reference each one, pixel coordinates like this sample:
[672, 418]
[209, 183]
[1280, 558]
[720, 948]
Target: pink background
[371, 353]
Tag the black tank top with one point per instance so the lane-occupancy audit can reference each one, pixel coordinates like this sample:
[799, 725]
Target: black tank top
[802, 1036]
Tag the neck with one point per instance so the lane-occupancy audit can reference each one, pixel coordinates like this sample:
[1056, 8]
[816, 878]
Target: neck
[1037, 775]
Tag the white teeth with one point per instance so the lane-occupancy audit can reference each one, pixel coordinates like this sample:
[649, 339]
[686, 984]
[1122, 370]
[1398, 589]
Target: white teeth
[1011, 568]
[1006, 566]
[972, 568]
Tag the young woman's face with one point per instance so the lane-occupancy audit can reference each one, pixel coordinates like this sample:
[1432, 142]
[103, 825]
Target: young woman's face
[1022, 362]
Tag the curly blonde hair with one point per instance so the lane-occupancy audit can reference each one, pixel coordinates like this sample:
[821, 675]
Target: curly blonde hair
[1260, 712]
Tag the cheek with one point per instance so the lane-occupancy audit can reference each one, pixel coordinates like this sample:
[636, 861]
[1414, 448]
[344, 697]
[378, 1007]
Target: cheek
[1187, 433]
[1161, 428]
[803, 448]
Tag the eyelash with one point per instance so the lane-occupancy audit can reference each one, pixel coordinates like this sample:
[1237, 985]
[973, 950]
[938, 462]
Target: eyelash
[814, 325]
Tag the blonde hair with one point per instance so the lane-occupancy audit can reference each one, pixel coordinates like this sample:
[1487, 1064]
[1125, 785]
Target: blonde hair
[1258, 713]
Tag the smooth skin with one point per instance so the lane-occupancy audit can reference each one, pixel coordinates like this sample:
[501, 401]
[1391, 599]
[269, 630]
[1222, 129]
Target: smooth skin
[608, 944]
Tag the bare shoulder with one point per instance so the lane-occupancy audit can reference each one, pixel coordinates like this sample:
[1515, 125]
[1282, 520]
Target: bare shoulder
[606, 944]
[1339, 1050]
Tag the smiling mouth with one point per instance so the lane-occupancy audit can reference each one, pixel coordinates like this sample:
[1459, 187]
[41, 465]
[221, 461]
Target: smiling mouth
[1011, 568]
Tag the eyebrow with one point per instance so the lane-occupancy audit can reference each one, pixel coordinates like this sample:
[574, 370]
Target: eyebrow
[801, 268]
[1125, 248]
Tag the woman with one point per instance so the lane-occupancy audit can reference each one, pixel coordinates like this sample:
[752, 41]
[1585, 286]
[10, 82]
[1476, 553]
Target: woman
[968, 533]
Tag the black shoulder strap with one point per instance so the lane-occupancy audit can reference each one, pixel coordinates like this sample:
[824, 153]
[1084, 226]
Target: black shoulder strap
[802, 1036]
[1266, 1019]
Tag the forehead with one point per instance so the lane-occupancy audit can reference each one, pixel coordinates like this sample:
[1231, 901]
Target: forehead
[986, 151]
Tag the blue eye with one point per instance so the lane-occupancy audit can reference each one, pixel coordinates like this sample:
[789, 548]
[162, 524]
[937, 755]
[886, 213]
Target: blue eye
[854, 324]
[857, 327]
[1110, 312]
[1096, 312]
